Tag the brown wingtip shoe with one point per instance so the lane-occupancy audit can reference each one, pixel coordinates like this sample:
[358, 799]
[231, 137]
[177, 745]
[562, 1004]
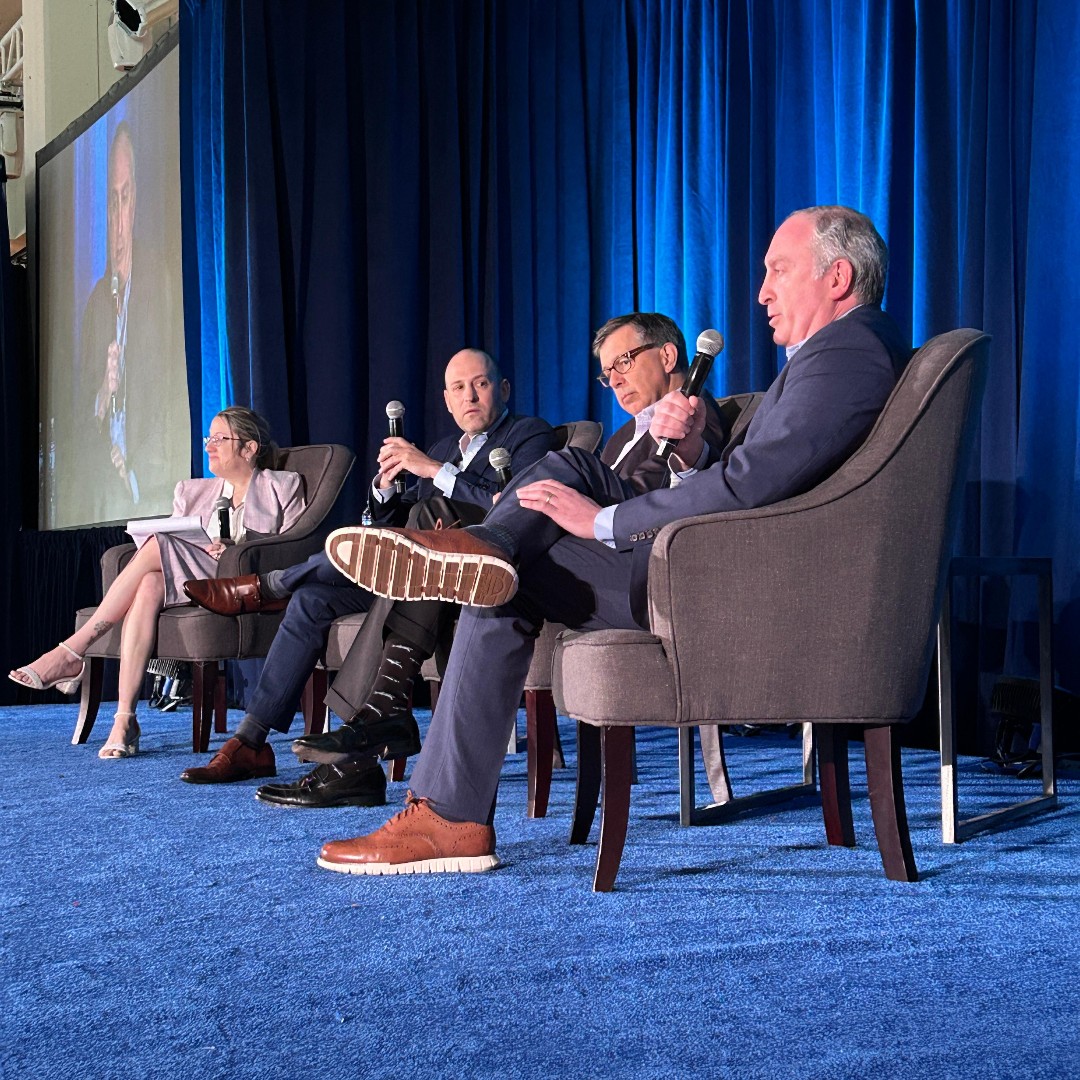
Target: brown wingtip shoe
[424, 564]
[231, 595]
[234, 761]
[415, 841]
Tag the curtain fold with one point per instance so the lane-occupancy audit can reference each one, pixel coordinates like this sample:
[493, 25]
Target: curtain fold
[397, 181]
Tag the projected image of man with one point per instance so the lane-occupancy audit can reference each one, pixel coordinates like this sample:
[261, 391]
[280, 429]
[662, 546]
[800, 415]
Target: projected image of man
[127, 355]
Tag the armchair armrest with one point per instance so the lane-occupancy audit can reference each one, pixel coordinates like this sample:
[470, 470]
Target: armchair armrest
[267, 553]
[113, 560]
[747, 603]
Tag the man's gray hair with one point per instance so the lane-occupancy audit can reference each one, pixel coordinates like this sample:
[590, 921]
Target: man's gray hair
[843, 233]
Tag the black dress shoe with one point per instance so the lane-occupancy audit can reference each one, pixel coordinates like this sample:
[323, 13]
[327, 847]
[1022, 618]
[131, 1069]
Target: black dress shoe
[350, 784]
[390, 737]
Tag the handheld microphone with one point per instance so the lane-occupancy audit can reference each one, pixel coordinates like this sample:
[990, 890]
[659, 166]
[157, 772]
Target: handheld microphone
[114, 288]
[710, 343]
[395, 412]
[221, 508]
[499, 460]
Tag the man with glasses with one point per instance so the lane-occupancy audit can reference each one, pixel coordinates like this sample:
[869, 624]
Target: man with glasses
[454, 482]
[569, 542]
[642, 358]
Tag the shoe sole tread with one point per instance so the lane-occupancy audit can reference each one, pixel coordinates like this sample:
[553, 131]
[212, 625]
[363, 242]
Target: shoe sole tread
[391, 565]
[454, 864]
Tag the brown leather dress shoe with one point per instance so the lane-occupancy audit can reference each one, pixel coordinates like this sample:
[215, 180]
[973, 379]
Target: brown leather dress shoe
[424, 564]
[234, 761]
[231, 595]
[415, 841]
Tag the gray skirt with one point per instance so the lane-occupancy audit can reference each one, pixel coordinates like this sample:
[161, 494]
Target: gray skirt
[180, 562]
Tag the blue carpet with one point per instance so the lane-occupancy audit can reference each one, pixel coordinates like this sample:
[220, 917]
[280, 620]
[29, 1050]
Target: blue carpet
[155, 929]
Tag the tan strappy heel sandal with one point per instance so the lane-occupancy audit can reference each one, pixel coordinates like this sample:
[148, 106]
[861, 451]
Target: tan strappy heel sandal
[64, 685]
[113, 751]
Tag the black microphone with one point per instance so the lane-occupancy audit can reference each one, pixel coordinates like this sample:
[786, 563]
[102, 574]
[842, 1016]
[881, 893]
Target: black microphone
[710, 343]
[499, 460]
[221, 508]
[395, 412]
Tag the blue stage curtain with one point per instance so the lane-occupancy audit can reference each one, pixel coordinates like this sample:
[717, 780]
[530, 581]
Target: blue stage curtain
[202, 194]
[400, 180]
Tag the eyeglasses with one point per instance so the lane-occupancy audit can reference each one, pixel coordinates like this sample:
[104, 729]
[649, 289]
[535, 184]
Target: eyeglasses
[622, 363]
[217, 440]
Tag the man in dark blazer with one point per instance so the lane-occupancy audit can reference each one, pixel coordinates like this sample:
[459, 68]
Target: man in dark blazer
[580, 541]
[648, 359]
[455, 482]
[132, 369]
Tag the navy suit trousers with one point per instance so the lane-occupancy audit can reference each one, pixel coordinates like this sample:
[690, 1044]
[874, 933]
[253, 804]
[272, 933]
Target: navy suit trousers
[582, 583]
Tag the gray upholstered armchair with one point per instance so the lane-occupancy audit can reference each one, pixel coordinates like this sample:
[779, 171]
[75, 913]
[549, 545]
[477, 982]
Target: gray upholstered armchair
[192, 634]
[818, 609]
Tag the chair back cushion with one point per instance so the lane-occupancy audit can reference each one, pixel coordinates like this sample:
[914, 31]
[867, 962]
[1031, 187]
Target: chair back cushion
[585, 434]
[324, 468]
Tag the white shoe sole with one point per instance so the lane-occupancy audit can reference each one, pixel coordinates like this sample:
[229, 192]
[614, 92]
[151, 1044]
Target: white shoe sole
[386, 563]
[473, 864]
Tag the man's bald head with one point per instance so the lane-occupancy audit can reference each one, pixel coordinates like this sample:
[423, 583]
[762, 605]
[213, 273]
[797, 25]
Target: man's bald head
[476, 393]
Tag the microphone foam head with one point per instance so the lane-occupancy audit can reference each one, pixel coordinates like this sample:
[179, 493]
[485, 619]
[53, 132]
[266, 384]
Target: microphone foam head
[395, 410]
[710, 342]
[499, 458]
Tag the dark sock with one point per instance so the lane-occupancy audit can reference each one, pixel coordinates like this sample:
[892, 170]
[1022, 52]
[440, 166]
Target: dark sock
[390, 693]
[270, 586]
[251, 733]
[497, 536]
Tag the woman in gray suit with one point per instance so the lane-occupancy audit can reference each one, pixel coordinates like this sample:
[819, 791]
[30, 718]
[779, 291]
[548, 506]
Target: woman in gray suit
[260, 501]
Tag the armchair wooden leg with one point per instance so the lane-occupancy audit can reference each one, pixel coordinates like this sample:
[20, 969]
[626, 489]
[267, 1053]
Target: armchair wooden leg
[395, 768]
[588, 782]
[90, 701]
[832, 749]
[616, 752]
[540, 730]
[886, 785]
[203, 685]
[313, 702]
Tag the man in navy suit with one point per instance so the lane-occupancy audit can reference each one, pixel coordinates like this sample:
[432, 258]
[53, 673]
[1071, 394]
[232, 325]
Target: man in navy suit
[580, 540]
[647, 359]
[455, 482]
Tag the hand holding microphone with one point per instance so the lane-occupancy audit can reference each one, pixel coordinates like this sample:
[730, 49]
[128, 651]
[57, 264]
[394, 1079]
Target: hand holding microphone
[710, 343]
[112, 371]
[395, 414]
